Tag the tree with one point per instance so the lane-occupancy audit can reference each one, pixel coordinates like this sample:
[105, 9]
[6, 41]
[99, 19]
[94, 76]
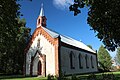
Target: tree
[12, 62]
[90, 46]
[117, 57]
[104, 59]
[8, 29]
[103, 18]
[8, 24]
[13, 37]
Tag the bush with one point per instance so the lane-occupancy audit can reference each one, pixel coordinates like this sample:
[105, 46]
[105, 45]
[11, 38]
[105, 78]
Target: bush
[92, 77]
[50, 77]
[74, 77]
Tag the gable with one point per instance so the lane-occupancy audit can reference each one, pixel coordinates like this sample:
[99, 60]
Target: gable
[41, 31]
[49, 48]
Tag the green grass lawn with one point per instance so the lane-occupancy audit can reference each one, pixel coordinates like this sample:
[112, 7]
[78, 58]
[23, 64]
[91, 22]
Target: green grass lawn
[30, 78]
[81, 77]
[20, 77]
[99, 76]
[117, 75]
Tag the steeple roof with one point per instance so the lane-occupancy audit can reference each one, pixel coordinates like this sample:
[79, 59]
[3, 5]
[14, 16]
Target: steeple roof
[42, 10]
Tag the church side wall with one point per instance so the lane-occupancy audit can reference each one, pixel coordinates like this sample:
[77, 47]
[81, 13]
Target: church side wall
[46, 48]
[78, 67]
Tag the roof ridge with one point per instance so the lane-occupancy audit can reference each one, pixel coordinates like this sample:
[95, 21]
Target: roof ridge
[61, 34]
[51, 29]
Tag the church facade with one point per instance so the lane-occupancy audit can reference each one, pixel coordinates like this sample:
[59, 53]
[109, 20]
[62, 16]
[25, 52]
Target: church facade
[48, 52]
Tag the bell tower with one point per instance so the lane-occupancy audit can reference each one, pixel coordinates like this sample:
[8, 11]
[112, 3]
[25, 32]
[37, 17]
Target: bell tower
[41, 21]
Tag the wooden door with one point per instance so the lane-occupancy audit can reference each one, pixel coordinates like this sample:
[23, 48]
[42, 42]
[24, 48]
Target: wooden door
[39, 68]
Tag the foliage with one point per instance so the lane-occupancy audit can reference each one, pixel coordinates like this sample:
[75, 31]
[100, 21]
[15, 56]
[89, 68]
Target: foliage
[12, 62]
[108, 76]
[104, 58]
[73, 77]
[61, 77]
[90, 46]
[50, 77]
[117, 57]
[104, 19]
[8, 14]
[92, 77]
[13, 37]
[8, 31]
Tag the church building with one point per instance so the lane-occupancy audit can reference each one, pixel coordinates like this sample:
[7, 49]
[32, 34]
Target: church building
[49, 52]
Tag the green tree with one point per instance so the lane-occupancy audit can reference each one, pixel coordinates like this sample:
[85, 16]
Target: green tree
[103, 18]
[12, 62]
[104, 58]
[117, 57]
[13, 37]
[8, 30]
[90, 46]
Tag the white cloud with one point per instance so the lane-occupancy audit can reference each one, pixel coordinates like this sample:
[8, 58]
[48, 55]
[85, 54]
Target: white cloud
[62, 4]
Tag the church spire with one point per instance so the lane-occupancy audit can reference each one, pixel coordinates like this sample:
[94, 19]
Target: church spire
[42, 10]
[41, 21]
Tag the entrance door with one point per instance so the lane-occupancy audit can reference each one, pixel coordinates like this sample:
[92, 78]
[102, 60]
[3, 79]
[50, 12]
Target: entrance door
[39, 68]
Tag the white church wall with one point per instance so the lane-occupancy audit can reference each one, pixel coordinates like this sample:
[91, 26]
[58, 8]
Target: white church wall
[28, 61]
[65, 61]
[46, 48]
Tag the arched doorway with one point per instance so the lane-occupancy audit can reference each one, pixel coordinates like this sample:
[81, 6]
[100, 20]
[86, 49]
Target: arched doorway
[39, 65]
[39, 70]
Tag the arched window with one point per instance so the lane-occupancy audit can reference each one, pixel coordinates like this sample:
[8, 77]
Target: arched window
[72, 66]
[92, 65]
[38, 43]
[80, 61]
[86, 59]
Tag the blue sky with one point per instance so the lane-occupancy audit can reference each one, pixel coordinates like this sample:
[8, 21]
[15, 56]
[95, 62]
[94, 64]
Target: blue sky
[61, 20]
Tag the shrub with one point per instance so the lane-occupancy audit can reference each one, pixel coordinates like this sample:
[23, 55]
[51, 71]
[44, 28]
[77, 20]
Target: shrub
[74, 77]
[50, 77]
